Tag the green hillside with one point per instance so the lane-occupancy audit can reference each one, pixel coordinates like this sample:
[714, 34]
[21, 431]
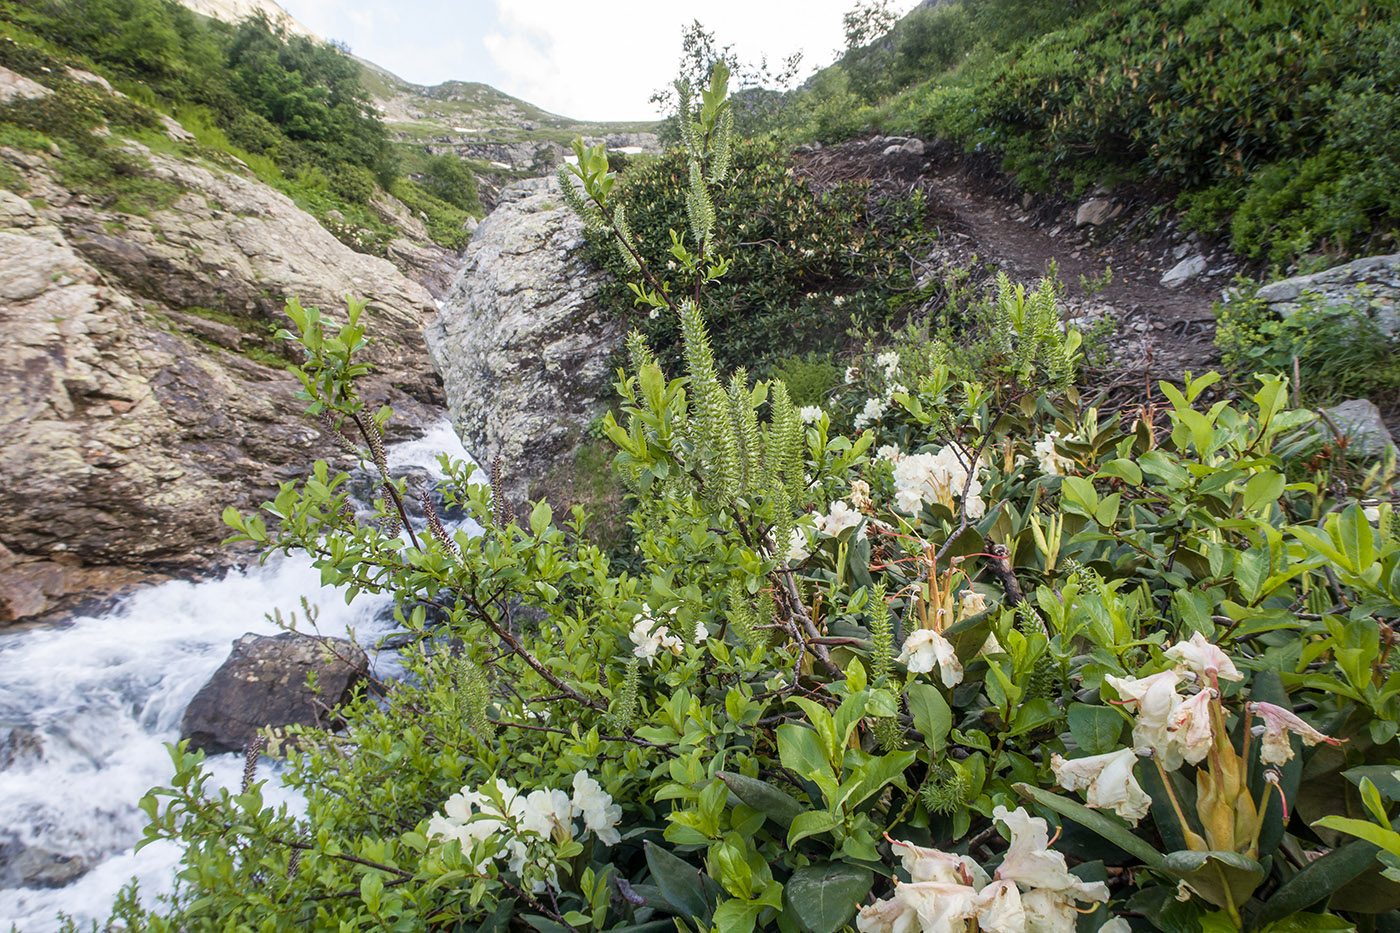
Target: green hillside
[1269, 121]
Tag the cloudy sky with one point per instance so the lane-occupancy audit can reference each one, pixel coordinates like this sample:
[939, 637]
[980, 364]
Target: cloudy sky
[587, 60]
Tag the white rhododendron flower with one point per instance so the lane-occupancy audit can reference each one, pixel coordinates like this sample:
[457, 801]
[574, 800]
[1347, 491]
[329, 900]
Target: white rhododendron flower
[1278, 723]
[889, 452]
[971, 603]
[896, 388]
[1191, 728]
[1033, 891]
[547, 811]
[1155, 700]
[651, 636]
[799, 547]
[517, 821]
[888, 916]
[701, 633]
[1116, 925]
[852, 374]
[874, 408]
[939, 477]
[596, 807]
[925, 864]
[999, 909]
[811, 414]
[841, 517]
[1052, 463]
[889, 362]
[926, 649]
[1051, 889]
[860, 496]
[1107, 780]
[1372, 513]
[941, 907]
[1205, 660]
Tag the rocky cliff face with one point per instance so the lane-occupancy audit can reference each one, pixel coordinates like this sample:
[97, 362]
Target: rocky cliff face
[522, 351]
[140, 391]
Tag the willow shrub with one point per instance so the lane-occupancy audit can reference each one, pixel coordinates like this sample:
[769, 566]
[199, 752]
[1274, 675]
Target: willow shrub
[791, 250]
[851, 666]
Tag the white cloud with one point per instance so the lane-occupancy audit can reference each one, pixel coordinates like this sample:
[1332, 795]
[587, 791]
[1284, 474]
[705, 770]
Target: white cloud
[564, 57]
[584, 60]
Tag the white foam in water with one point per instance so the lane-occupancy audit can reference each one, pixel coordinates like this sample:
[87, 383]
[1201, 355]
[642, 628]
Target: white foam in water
[105, 693]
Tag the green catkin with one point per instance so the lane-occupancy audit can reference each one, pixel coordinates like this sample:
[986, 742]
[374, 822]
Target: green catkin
[625, 242]
[623, 710]
[474, 689]
[699, 208]
[741, 616]
[881, 635]
[1046, 679]
[690, 136]
[723, 147]
[887, 733]
[786, 443]
[586, 211]
[947, 789]
[711, 403]
[744, 417]
[1029, 619]
[886, 729]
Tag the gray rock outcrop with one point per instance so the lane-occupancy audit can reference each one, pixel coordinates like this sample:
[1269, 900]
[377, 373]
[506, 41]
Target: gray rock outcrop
[1358, 423]
[140, 388]
[263, 685]
[522, 351]
[32, 866]
[1370, 285]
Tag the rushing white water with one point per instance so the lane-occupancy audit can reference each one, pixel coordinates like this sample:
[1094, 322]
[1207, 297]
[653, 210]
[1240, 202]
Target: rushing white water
[104, 694]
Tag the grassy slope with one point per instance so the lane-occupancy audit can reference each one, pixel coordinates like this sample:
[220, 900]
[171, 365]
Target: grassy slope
[470, 109]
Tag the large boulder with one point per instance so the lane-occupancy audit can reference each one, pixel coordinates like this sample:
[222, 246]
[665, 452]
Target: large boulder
[32, 866]
[263, 684]
[141, 390]
[522, 349]
[1370, 285]
[1358, 424]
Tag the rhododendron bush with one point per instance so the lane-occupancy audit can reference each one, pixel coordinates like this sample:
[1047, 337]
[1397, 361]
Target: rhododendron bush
[997, 660]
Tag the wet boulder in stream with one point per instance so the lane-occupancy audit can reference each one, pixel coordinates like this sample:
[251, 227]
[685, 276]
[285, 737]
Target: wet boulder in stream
[264, 684]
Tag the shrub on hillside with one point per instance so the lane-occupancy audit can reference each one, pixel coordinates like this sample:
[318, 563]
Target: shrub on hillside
[1272, 113]
[803, 266]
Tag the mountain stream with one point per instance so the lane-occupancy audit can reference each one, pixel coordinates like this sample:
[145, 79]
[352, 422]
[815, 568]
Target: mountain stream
[94, 701]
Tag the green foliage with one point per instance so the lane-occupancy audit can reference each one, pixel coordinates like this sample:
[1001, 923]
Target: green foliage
[1273, 119]
[754, 753]
[809, 377]
[292, 110]
[804, 266]
[1338, 350]
[449, 179]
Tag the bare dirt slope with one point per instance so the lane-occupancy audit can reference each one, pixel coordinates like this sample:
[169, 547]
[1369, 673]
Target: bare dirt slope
[1159, 330]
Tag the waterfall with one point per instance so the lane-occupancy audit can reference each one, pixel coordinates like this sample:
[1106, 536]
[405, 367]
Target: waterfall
[97, 698]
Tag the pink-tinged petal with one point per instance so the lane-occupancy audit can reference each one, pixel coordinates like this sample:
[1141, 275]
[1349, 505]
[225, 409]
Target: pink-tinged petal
[1204, 659]
[1278, 723]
